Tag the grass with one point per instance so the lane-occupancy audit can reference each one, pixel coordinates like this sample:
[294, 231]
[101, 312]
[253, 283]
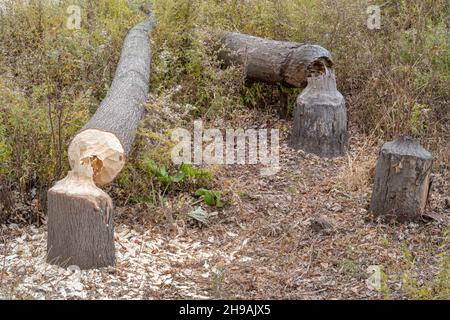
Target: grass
[51, 78]
[438, 285]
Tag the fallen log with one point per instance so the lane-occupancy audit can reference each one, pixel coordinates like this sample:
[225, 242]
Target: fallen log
[320, 116]
[80, 225]
[402, 180]
[271, 61]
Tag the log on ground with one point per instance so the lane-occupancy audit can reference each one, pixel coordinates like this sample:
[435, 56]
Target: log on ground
[271, 61]
[80, 228]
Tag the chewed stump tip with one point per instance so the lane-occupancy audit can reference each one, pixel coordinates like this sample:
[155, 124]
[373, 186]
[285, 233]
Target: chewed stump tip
[101, 150]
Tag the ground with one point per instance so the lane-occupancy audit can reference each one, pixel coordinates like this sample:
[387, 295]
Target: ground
[303, 233]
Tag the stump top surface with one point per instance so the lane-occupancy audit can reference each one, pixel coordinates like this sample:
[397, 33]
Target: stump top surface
[406, 146]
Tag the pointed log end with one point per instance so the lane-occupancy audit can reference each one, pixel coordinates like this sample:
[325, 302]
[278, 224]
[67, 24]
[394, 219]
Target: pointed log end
[101, 151]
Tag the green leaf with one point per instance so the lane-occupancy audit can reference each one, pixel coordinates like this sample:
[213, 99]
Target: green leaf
[219, 203]
[150, 166]
[162, 172]
[189, 170]
[201, 192]
[178, 177]
[211, 198]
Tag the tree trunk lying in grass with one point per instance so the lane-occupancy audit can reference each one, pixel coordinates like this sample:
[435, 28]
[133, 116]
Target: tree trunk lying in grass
[275, 62]
[320, 118]
[402, 180]
[80, 228]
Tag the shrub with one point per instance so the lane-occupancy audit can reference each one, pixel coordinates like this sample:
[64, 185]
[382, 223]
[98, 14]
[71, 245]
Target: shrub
[51, 80]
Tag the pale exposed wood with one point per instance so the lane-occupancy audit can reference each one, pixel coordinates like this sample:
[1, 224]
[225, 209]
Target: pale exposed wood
[102, 150]
[402, 180]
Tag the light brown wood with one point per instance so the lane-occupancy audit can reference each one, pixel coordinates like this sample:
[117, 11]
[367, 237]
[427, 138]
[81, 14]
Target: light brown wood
[101, 150]
[80, 228]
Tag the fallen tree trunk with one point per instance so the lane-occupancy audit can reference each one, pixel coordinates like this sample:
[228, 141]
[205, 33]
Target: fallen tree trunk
[402, 180]
[274, 62]
[80, 228]
[320, 116]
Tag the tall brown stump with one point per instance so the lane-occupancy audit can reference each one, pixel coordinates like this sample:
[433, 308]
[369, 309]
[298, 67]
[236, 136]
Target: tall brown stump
[320, 118]
[402, 180]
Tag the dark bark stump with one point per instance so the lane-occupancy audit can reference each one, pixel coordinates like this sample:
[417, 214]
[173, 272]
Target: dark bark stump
[80, 225]
[271, 61]
[402, 180]
[320, 118]
[80, 231]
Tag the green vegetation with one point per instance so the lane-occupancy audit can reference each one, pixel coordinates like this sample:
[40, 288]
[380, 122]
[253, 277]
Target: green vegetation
[52, 79]
[438, 285]
[211, 198]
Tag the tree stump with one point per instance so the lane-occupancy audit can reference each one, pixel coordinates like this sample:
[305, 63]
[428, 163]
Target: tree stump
[320, 117]
[80, 225]
[402, 180]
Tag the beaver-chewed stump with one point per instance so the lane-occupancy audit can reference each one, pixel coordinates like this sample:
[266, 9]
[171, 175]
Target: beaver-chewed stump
[80, 223]
[320, 118]
[402, 180]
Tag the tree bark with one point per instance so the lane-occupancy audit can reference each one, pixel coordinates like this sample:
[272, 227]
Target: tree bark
[80, 225]
[273, 62]
[402, 180]
[320, 118]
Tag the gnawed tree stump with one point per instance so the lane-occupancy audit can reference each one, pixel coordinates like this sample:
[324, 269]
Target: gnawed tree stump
[320, 117]
[80, 225]
[271, 61]
[402, 180]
